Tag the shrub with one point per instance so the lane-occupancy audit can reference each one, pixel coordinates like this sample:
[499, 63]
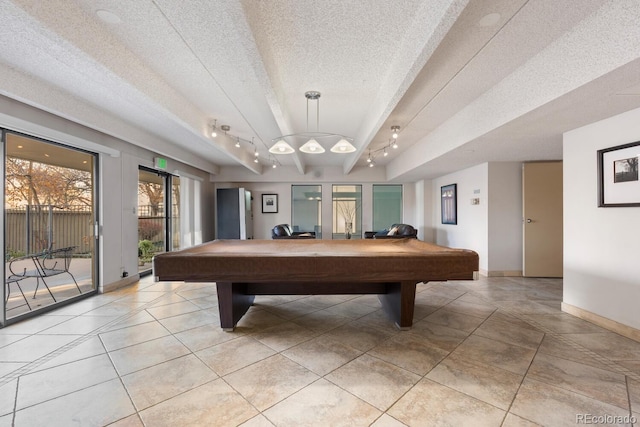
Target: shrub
[145, 250]
[149, 228]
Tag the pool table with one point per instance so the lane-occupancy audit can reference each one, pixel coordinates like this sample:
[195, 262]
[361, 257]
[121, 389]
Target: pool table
[242, 269]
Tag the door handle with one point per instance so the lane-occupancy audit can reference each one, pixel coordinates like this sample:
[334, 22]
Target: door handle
[529, 220]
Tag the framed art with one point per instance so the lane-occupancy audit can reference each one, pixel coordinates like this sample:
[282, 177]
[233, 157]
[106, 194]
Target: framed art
[449, 204]
[618, 183]
[269, 203]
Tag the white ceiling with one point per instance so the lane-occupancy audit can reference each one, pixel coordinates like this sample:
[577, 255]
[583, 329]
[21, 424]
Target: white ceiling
[467, 81]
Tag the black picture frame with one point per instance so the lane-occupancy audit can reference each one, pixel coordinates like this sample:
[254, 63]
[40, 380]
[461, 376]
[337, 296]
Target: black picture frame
[449, 204]
[269, 203]
[618, 179]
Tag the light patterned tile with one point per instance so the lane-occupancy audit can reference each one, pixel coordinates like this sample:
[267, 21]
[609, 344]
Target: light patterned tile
[48, 384]
[115, 308]
[146, 354]
[489, 384]
[130, 421]
[564, 323]
[387, 421]
[233, 355]
[283, 336]
[516, 421]
[132, 335]
[257, 320]
[634, 395]
[561, 407]
[170, 310]
[455, 320]
[34, 347]
[322, 355]
[192, 320]
[212, 404]
[410, 352]
[10, 339]
[439, 336]
[269, 381]
[510, 333]
[80, 325]
[132, 320]
[98, 405]
[89, 348]
[206, 336]
[512, 358]
[375, 381]
[8, 394]
[166, 380]
[321, 321]
[322, 404]
[471, 308]
[599, 384]
[7, 368]
[609, 345]
[432, 404]
[34, 325]
[258, 421]
[361, 337]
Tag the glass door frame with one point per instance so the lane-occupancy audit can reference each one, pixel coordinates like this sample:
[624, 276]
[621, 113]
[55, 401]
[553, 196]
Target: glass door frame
[167, 199]
[95, 262]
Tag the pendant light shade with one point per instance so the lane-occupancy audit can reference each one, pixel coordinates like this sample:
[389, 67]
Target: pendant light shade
[281, 147]
[312, 147]
[343, 146]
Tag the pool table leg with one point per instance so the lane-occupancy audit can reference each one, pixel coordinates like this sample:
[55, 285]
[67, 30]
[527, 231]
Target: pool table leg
[233, 303]
[398, 303]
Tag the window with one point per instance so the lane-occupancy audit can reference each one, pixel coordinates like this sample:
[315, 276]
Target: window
[347, 211]
[387, 206]
[306, 208]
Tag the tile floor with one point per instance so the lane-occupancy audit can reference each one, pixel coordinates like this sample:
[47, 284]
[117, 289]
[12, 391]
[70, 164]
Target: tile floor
[491, 352]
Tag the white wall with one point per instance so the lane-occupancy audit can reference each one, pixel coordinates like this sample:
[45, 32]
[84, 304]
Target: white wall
[601, 245]
[492, 228]
[505, 218]
[471, 231]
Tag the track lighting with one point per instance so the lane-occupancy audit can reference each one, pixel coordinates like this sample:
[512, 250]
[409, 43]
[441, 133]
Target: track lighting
[214, 132]
[395, 130]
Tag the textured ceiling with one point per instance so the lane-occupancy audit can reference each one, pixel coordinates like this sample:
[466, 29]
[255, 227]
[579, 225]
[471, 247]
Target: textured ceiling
[467, 81]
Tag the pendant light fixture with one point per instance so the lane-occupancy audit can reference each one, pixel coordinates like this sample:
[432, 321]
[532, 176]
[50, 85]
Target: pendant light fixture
[312, 146]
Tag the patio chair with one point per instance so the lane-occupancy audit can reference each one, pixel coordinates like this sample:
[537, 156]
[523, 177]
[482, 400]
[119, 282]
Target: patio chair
[15, 279]
[51, 263]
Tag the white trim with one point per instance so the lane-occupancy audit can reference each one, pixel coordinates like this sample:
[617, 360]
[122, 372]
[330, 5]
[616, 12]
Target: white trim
[603, 322]
[183, 174]
[34, 129]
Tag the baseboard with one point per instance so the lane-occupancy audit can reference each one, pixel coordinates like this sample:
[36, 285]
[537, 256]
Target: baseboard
[603, 322]
[496, 273]
[126, 281]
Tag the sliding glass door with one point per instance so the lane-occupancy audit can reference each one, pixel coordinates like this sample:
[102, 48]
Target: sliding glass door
[49, 222]
[158, 215]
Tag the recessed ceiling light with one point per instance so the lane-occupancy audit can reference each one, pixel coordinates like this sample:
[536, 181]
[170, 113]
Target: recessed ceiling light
[108, 16]
[489, 20]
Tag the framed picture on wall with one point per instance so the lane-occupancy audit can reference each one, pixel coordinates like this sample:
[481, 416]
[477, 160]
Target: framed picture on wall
[618, 183]
[449, 204]
[269, 203]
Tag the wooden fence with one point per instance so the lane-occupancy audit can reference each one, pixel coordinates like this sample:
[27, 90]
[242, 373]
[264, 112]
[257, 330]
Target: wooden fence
[36, 228]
